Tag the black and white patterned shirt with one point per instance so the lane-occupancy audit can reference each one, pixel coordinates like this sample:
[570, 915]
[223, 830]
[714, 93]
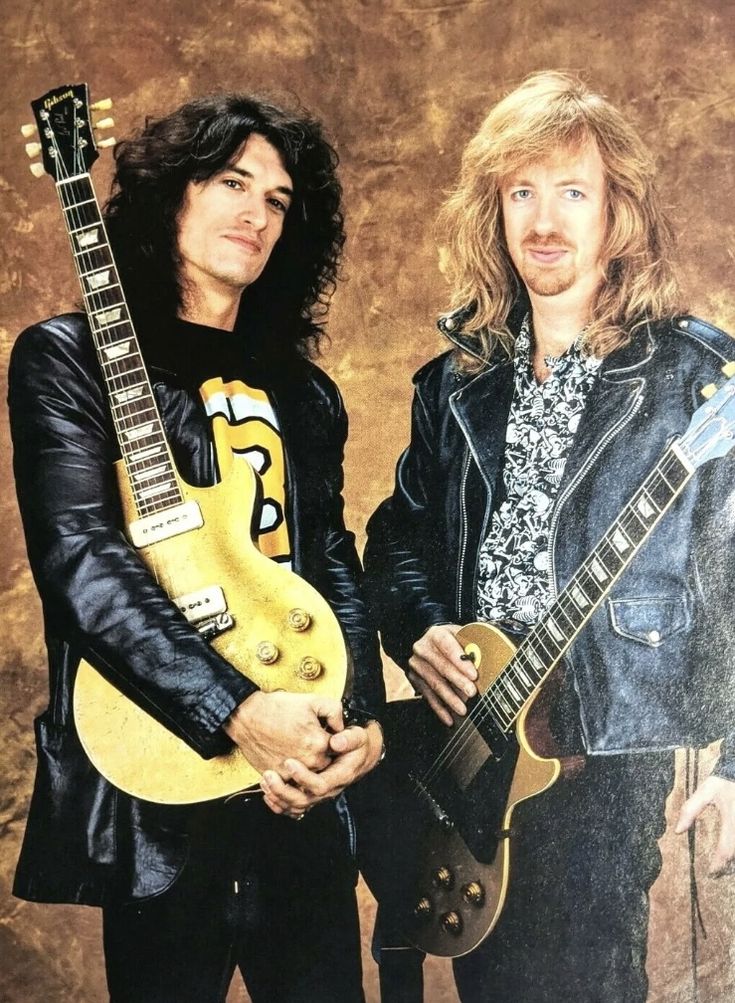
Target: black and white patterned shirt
[514, 580]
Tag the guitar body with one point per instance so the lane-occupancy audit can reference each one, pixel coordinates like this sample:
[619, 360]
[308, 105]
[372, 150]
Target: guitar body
[442, 875]
[129, 747]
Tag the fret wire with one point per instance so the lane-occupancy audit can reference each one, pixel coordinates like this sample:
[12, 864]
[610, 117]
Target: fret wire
[523, 687]
[110, 267]
[649, 499]
[108, 327]
[75, 205]
[629, 528]
[533, 636]
[123, 373]
[560, 606]
[501, 718]
[544, 633]
[504, 695]
[90, 250]
[81, 229]
[589, 585]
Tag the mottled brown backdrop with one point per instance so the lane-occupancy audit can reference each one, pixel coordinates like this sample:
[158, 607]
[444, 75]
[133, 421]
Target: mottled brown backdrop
[402, 84]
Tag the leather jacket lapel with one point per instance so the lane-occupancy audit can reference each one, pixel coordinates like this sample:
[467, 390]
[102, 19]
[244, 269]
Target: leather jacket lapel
[481, 409]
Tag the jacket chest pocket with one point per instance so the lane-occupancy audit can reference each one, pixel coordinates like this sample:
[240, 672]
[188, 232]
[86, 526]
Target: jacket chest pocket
[650, 621]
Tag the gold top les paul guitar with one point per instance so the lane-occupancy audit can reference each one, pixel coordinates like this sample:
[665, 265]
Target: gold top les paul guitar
[267, 622]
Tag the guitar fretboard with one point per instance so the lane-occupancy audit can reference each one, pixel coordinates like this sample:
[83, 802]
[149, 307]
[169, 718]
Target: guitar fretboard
[539, 652]
[135, 415]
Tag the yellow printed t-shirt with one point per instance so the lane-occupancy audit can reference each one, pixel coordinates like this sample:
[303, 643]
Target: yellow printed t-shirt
[255, 436]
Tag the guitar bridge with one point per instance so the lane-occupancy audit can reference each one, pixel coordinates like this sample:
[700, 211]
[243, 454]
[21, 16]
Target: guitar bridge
[440, 815]
[206, 610]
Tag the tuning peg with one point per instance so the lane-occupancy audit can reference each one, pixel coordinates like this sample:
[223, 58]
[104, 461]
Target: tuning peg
[105, 123]
[104, 143]
[37, 170]
[709, 391]
[28, 130]
[104, 105]
[729, 369]
[33, 149]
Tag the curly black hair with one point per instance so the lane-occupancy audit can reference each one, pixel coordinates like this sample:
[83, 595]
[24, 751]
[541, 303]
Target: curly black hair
[285, 308]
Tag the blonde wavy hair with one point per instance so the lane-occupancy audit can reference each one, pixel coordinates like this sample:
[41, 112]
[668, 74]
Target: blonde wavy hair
[547, 111]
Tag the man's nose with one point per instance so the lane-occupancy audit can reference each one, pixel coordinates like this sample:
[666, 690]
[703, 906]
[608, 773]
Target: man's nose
[254, 211]
[545, 219]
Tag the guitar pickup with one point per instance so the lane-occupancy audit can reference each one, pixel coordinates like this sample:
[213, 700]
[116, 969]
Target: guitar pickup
[206, 609]
[163, 525]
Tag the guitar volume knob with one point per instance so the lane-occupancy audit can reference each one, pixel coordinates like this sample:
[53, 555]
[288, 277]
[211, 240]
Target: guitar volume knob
[423, 909]
[451, 922]
[473, 893]
[309, 668]
[298, 619]
[267, 652]
[443, 878]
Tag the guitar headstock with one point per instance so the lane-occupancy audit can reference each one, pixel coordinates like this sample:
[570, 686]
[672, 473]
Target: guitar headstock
[711, 431]
[66, 140]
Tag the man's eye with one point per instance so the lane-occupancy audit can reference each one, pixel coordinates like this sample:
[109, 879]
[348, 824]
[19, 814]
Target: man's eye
[282, 207]
[575, 194]
[231, 183]
[521, 194]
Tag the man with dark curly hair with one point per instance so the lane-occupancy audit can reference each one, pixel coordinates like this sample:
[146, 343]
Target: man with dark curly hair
[226, 226]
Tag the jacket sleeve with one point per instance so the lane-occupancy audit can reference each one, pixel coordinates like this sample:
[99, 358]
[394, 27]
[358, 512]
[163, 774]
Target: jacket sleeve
[341, 576]
[404, 543]
[97, 595]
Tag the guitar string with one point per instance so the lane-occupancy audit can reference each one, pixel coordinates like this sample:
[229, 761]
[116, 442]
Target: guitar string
[116, 376]
[467, 729]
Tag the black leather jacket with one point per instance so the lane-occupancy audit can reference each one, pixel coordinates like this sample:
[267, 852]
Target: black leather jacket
[653, 667]
[86, 840]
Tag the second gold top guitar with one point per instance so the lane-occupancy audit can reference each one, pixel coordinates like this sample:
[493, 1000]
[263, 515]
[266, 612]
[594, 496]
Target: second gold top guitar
[267, 622]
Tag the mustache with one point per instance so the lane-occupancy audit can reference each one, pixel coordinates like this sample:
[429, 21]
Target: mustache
[553, 239]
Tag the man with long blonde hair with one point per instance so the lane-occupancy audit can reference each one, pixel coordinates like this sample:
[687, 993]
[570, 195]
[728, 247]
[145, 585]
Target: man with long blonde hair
[572, 367]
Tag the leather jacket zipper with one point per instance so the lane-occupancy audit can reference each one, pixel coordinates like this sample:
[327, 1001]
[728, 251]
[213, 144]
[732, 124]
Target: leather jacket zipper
[462, 529]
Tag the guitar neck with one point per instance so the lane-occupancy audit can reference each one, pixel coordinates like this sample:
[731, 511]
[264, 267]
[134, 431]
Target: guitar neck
[135, 415]
[542, 648]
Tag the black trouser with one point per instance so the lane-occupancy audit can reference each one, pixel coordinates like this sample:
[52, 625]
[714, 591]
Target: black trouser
[272, 897]
[575, 922]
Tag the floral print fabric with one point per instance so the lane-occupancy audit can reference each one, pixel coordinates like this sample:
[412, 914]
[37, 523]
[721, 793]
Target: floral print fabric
[514, 581]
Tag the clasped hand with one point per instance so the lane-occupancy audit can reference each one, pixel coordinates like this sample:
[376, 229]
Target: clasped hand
[300, 745]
